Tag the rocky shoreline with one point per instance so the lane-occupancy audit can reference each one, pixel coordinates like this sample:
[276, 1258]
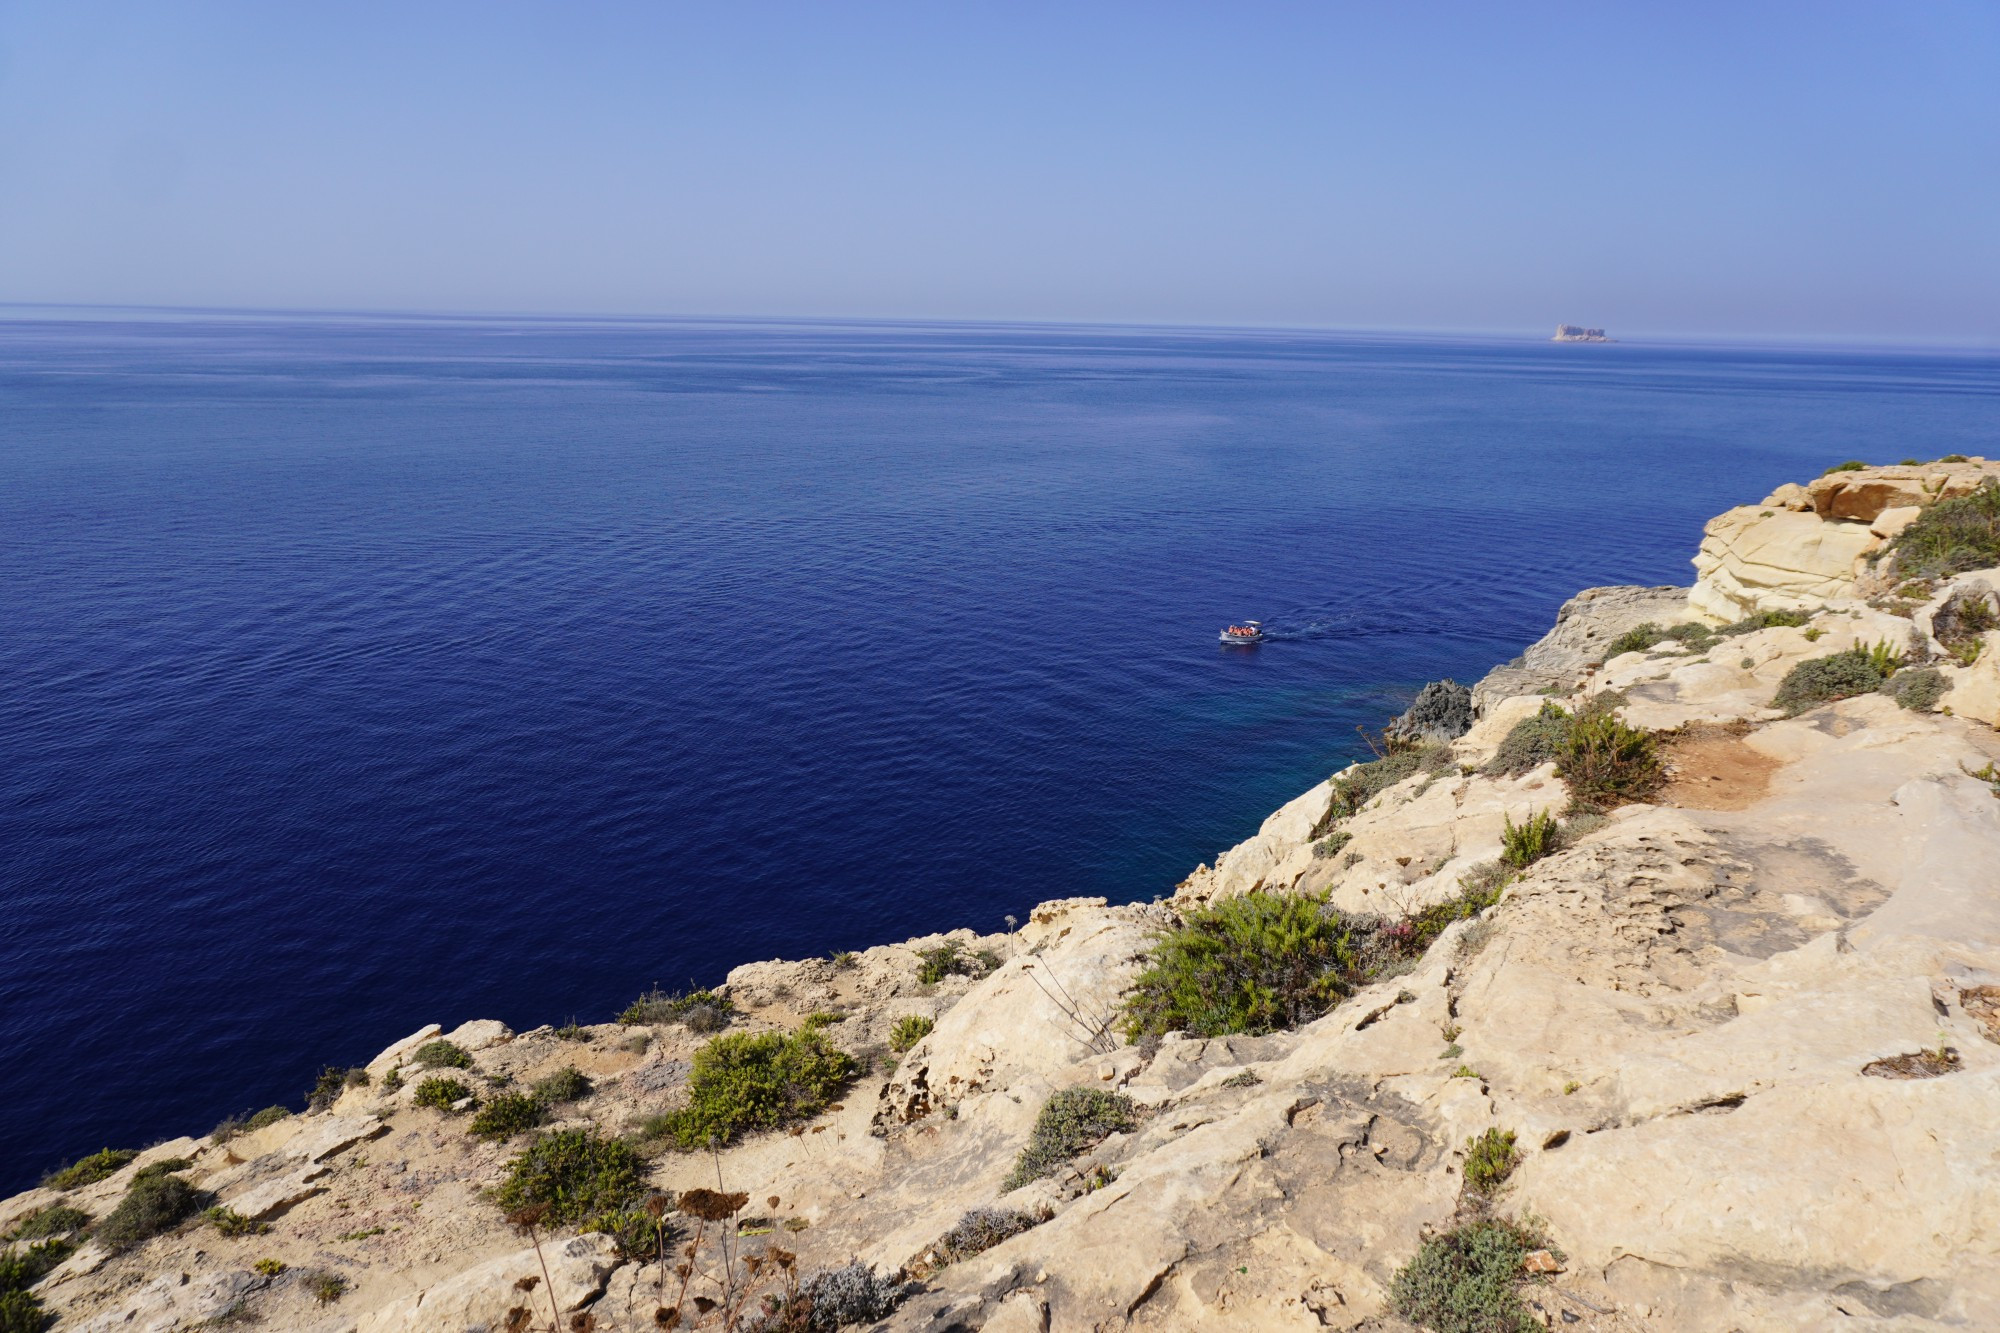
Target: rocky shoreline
[1740, 1037]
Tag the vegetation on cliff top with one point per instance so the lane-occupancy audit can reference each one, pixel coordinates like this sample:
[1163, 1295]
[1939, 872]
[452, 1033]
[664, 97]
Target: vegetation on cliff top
[1952, 536]
[1071, 1122]
[744, 1082]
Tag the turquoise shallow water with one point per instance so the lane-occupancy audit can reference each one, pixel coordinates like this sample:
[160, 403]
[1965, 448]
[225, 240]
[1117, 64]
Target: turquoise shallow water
[366, 673]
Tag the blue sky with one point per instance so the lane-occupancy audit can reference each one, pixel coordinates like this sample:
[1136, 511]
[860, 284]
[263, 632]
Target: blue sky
[1823, 169]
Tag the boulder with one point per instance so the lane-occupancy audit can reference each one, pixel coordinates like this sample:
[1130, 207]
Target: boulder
[397, 1053]
[1441, 712]
[479, 1034]
[1864, 494]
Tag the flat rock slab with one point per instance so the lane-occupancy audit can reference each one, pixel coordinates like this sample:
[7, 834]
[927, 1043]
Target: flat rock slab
[178, 1301]
[263, 1202]
[334, 1135]
[578, 1269]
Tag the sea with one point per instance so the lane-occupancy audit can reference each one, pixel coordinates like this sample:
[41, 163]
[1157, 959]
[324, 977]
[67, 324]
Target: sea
[360, 673]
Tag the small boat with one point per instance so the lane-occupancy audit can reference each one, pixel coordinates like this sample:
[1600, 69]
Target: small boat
[1250, 631]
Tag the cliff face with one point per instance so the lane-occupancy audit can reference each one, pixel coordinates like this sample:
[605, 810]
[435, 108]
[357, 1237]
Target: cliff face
[1746, 1035]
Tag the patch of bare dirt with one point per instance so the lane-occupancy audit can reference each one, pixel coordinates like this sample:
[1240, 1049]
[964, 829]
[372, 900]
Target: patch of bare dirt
[1714, 768]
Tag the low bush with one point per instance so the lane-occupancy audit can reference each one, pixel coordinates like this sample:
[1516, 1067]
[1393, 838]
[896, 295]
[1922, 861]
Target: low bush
[1526, 843]
[909, 1030]
[1766, 620]
[1820, 680]
[1532, 742]
[835, 1298]
[21, 1312]
[442, 1054]
[1851, 465]
[232, 1223]
[1605, 763]
[1489, 1159]
[1467, 1280]
[88, 1170]
[979, 1231]
[1353, 790]
[58, 1219]
[1916, 688]
[1960, 623]
[1332, 845]
[323, 1286]
[641, 1234]
[1073, 1121]
[1952, 536]
[23, 1268]
[1441, 712]
[154, 1204]
[245, 1124]
[700, 1011]
[577, 1173]
[334, 1080]
[506, 1115]
[1635, 640]
[1478, 889]
[440, 1092]
[269, 1267]
[745, 1082]
[1254, 963]
[951, 959]
[567, 1084]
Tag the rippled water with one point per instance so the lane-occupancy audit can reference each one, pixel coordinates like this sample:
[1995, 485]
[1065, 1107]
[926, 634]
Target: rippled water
[362, 674]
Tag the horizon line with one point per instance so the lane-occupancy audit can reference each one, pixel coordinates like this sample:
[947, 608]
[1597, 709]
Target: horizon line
[1652, 337]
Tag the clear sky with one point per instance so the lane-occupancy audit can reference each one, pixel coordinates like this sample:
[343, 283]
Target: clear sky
[1746, 167]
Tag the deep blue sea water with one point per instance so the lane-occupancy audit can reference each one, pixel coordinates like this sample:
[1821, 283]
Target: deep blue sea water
[357, 674]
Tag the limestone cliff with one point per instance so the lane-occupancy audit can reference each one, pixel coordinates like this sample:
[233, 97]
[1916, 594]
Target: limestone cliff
[1746, 1034]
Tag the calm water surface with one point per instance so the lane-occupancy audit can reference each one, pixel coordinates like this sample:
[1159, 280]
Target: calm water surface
[363, 674]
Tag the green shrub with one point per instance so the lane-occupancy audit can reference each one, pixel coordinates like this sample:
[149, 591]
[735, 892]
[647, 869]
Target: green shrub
[334, 1080]
[1073, 1121]
[744, 1082]
[1606, 763]
[269, 1267]
[440, 1092]
[58, 1219]
[1819, 680]
[1526, 843]
[393, 1080]
[567, 1084]
[1478, 889]
[578, 1173]
[1467, 1280]
[1635, 640]
[245, 1124]
[1352, 791]
[1489, 1159]
[21, 1312]
[1954, 458]
[950, 959]
[1532, 742]
[89, 1170]
[1917, 688]
[1254, 963]
[1766, 620]
[505, 1116]
[1332, 845]
[1851, 465]
[909, 1030]
[701, 1011]
[442, 1054]
[21, 1269]
[232, 1223]
[1960, 623]
[642, 1234]
[1952, 536]
[166, 1166]
[153, 1204]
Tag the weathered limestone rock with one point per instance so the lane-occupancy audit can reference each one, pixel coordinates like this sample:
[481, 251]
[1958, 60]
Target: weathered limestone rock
[401, 1051]
[481, 1297]
[264, 1201]
[1863, 495]
[479, 1034]
[1585, 626]
[1975, 690]
[1270, 858]
[1757, 559]
[179, 1301]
